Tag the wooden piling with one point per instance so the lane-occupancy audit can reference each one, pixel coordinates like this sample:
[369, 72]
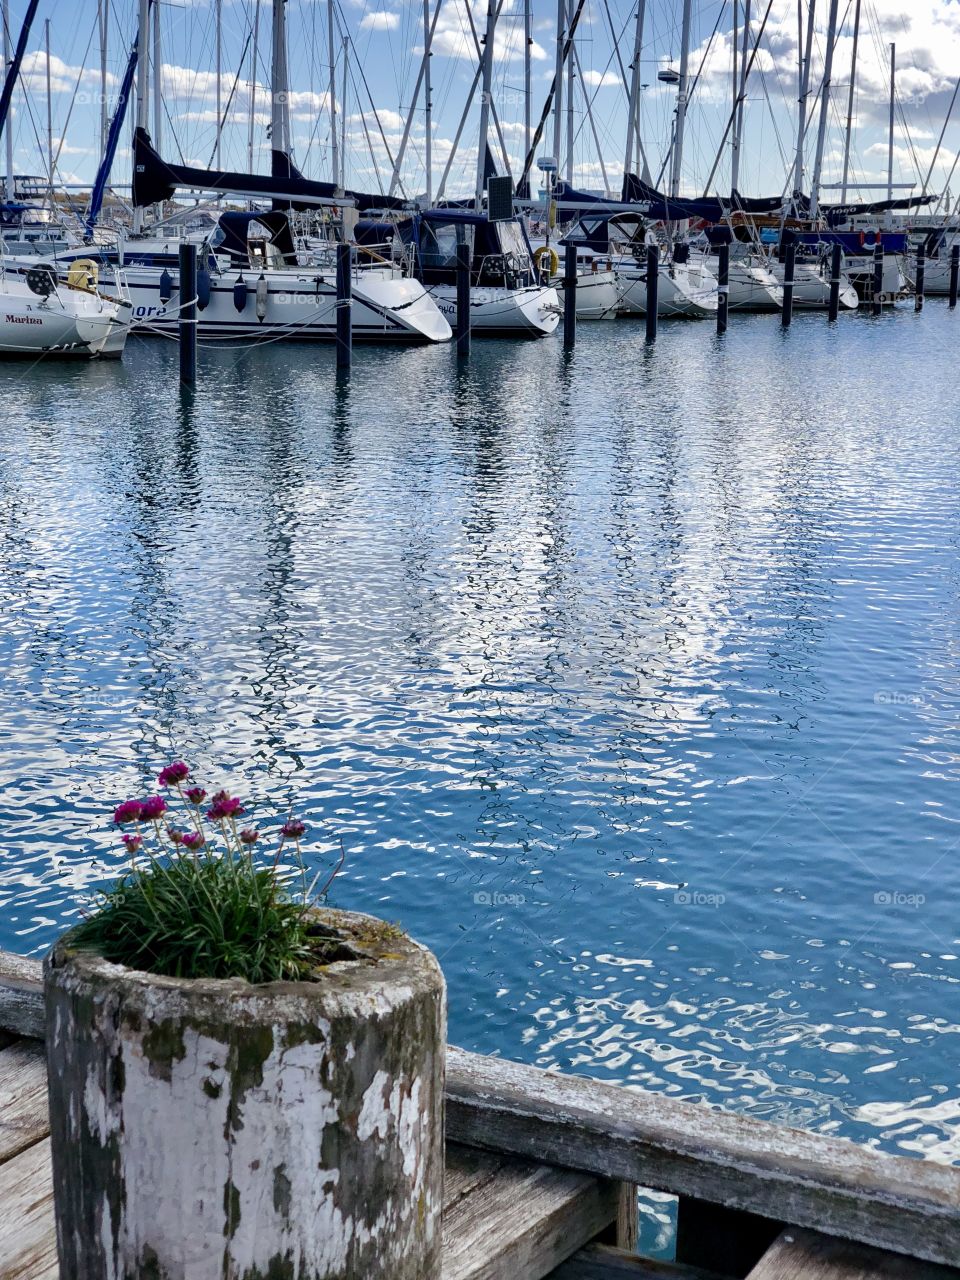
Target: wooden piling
[723, 288]
[921, 270]
[878, 276]
[463, 300]
[569, 295]
[789, 268]
[344, 305]
[188, 314]
[954, 274]
[836, 256]
[653, 282]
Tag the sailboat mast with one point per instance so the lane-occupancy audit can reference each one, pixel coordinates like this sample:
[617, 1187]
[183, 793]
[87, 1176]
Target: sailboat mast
[558, 77]
[485, 99]
[156, 65]
[427, 104]
[279, 110]
[824, 107]
[103, 21]
[343, 114]
[218, 17]
[736, 91]
[888, 221]
[570, 80]
[850, 99]
[633, 107]
[682, 92]
[143, 85]
[740, 98]
[806, 57]
[253, 85]
[332, 94]
[46, 29]
[10, 186]
[527, 45]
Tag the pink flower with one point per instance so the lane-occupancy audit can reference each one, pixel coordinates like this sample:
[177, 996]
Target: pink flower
[293, 829]
[176, 837]
[196, 795]
[249, 836]
[193, 840]
[224, 806]
[152, 808]
[173, 774]
[129, 811]
[133, 843]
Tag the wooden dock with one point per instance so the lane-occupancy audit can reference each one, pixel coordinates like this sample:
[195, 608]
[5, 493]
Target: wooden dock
[542, 1171]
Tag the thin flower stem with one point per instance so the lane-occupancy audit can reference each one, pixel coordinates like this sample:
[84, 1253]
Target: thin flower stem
[336, 870]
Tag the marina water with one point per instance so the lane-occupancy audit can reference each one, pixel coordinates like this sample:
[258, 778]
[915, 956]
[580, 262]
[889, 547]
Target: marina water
[628, 679]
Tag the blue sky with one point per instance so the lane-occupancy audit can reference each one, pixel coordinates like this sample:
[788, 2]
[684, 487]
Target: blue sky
[385, 44]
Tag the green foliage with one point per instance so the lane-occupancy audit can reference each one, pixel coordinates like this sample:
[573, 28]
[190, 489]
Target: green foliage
[207, 916]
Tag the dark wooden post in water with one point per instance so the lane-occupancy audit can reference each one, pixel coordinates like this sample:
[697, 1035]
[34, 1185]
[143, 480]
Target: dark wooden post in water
[954, 273]
[835, 259]
[653, 284]
[921, 271]
[789, 267]
[723, 288]
[569, 295]
[344, 305]
[878, 276]
[188, 314]
[463, 299]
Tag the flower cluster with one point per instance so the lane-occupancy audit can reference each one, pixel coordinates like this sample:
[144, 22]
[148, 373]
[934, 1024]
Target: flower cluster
[222, 813]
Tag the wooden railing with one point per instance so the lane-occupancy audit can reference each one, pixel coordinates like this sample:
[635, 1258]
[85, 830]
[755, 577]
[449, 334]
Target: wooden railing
[755, 1175]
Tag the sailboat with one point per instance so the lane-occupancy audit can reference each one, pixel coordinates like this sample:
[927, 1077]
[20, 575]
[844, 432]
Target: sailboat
[40, 314]
[253, 282]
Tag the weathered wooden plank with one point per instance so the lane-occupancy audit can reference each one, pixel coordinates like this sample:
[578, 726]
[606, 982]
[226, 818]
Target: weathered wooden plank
[808, 1255]
[466, 1169]
[603, 1262]
[28, 1249]
[909, 1206]
[21, 995]
[23, 1097]
[520, 1224]
[625, 1232]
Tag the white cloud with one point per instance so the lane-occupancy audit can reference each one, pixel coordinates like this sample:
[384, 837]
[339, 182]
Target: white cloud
[601, 79]
[63, 77]
[380, 22]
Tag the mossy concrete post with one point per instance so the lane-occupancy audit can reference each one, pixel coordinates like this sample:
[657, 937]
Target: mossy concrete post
[205, 1130]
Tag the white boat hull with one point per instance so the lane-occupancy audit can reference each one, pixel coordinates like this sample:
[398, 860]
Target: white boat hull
[70, 322]
[598, 297]
[531, 312]
[936, 276]
[298, 305]
[682, 291]
[753, 287]
[811, 287]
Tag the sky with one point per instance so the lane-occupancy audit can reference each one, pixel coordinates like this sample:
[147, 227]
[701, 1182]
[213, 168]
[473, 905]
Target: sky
[384, 42]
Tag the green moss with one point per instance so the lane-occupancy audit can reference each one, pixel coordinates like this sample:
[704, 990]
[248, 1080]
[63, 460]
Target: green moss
[281, 1191]
[231, 1209]
[250, 1048]
[163, 1046]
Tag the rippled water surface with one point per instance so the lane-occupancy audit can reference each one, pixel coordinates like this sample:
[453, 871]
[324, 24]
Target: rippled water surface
[630, 682]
